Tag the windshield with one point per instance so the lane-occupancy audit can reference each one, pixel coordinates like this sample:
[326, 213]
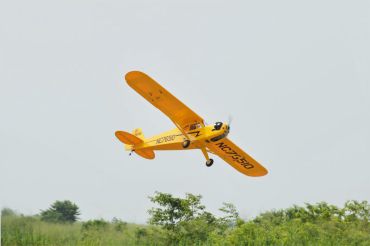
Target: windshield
[218, 125]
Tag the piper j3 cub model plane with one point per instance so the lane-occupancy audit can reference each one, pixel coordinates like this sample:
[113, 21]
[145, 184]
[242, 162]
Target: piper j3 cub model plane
[191, 132]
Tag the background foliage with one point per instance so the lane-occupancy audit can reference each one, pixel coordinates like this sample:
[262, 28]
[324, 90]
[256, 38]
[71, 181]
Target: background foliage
[185, 221]
[61, 211]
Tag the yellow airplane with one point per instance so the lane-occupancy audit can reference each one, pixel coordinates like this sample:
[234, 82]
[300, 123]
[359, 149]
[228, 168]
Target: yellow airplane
[191, 132]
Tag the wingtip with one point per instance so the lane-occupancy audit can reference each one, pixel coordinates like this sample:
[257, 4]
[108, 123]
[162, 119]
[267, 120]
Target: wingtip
[258, 173]
[263, 172]
[133, 75]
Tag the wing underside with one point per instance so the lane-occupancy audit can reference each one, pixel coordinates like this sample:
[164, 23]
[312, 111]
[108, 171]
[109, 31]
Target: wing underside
[159, 97]
[237, 158]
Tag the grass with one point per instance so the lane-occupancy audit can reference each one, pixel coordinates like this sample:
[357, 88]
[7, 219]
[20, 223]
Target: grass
[27, 230]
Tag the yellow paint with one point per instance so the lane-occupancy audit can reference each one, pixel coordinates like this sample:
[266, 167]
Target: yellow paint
[190, 126]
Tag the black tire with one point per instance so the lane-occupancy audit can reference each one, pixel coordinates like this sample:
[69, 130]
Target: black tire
[209, 162]
[186, 144]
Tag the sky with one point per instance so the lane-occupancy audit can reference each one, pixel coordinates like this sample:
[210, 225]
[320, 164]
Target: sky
[294, 76]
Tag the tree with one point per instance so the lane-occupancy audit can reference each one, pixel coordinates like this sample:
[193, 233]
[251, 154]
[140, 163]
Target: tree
[174, 210]
[7, 212]
[184, 219]
[61, 212]
[354, 210]
[231, 216]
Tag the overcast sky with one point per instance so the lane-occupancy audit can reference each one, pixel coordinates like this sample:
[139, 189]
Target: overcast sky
[294, 75]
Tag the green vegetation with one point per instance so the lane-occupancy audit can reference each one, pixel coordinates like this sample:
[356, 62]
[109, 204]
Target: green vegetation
[61, 211]
[185, 221]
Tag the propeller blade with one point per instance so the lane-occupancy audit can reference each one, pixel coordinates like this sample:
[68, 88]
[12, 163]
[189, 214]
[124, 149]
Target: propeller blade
[230, 120]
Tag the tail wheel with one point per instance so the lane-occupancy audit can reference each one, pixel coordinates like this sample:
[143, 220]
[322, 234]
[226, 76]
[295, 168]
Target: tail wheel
[185, 144]
[209, 162]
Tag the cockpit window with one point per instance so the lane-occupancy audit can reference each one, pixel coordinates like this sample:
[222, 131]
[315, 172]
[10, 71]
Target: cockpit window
[218, 125]
[195, 126]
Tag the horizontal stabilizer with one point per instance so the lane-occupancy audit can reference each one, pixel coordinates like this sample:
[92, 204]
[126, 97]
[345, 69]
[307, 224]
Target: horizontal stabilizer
[128, 138]
[130, 141]
[145, 153]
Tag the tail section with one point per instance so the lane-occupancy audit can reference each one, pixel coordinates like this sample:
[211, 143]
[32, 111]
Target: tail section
[127, 138]
[138, 133]
[145, 153]
[131, 141]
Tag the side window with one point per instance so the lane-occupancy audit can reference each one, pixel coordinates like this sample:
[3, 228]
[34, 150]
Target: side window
[195, 126]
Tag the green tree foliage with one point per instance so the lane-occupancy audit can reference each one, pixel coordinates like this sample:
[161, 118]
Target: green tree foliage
[231, 216]
[174, 210]
[98, 225]
[312, 224]
[356, 211]
[92, 231]
[61, 212]
[185, 221]
[7, 212]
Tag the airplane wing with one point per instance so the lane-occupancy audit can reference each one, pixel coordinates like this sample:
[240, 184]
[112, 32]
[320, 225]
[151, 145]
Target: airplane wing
[237, 158]
[154, 93]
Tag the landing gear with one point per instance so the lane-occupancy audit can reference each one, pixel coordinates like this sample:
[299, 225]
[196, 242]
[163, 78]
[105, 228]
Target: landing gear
[209, 162]
[186, 143]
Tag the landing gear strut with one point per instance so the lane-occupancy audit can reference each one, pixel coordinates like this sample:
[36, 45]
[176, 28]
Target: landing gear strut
[186, 143]
[209, 162]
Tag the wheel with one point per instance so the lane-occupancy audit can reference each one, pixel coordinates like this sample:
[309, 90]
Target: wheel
[209, 162]
[185, 144]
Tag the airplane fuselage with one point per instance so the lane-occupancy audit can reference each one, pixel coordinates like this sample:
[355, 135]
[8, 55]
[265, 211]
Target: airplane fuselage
[173, 139]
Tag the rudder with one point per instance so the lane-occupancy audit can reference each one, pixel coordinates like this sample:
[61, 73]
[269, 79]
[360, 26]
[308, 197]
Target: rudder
[138, 132]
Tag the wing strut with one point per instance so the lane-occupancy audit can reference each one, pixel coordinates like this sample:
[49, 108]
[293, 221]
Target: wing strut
[182, 130]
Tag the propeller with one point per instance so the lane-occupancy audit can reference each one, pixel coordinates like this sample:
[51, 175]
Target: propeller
[230, 119]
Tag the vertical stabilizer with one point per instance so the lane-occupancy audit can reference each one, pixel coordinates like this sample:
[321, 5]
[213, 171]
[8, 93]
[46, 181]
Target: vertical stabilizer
[138, 133]
[134, 139]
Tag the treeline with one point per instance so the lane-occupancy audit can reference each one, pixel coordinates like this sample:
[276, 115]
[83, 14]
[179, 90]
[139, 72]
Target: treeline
[186, 221]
